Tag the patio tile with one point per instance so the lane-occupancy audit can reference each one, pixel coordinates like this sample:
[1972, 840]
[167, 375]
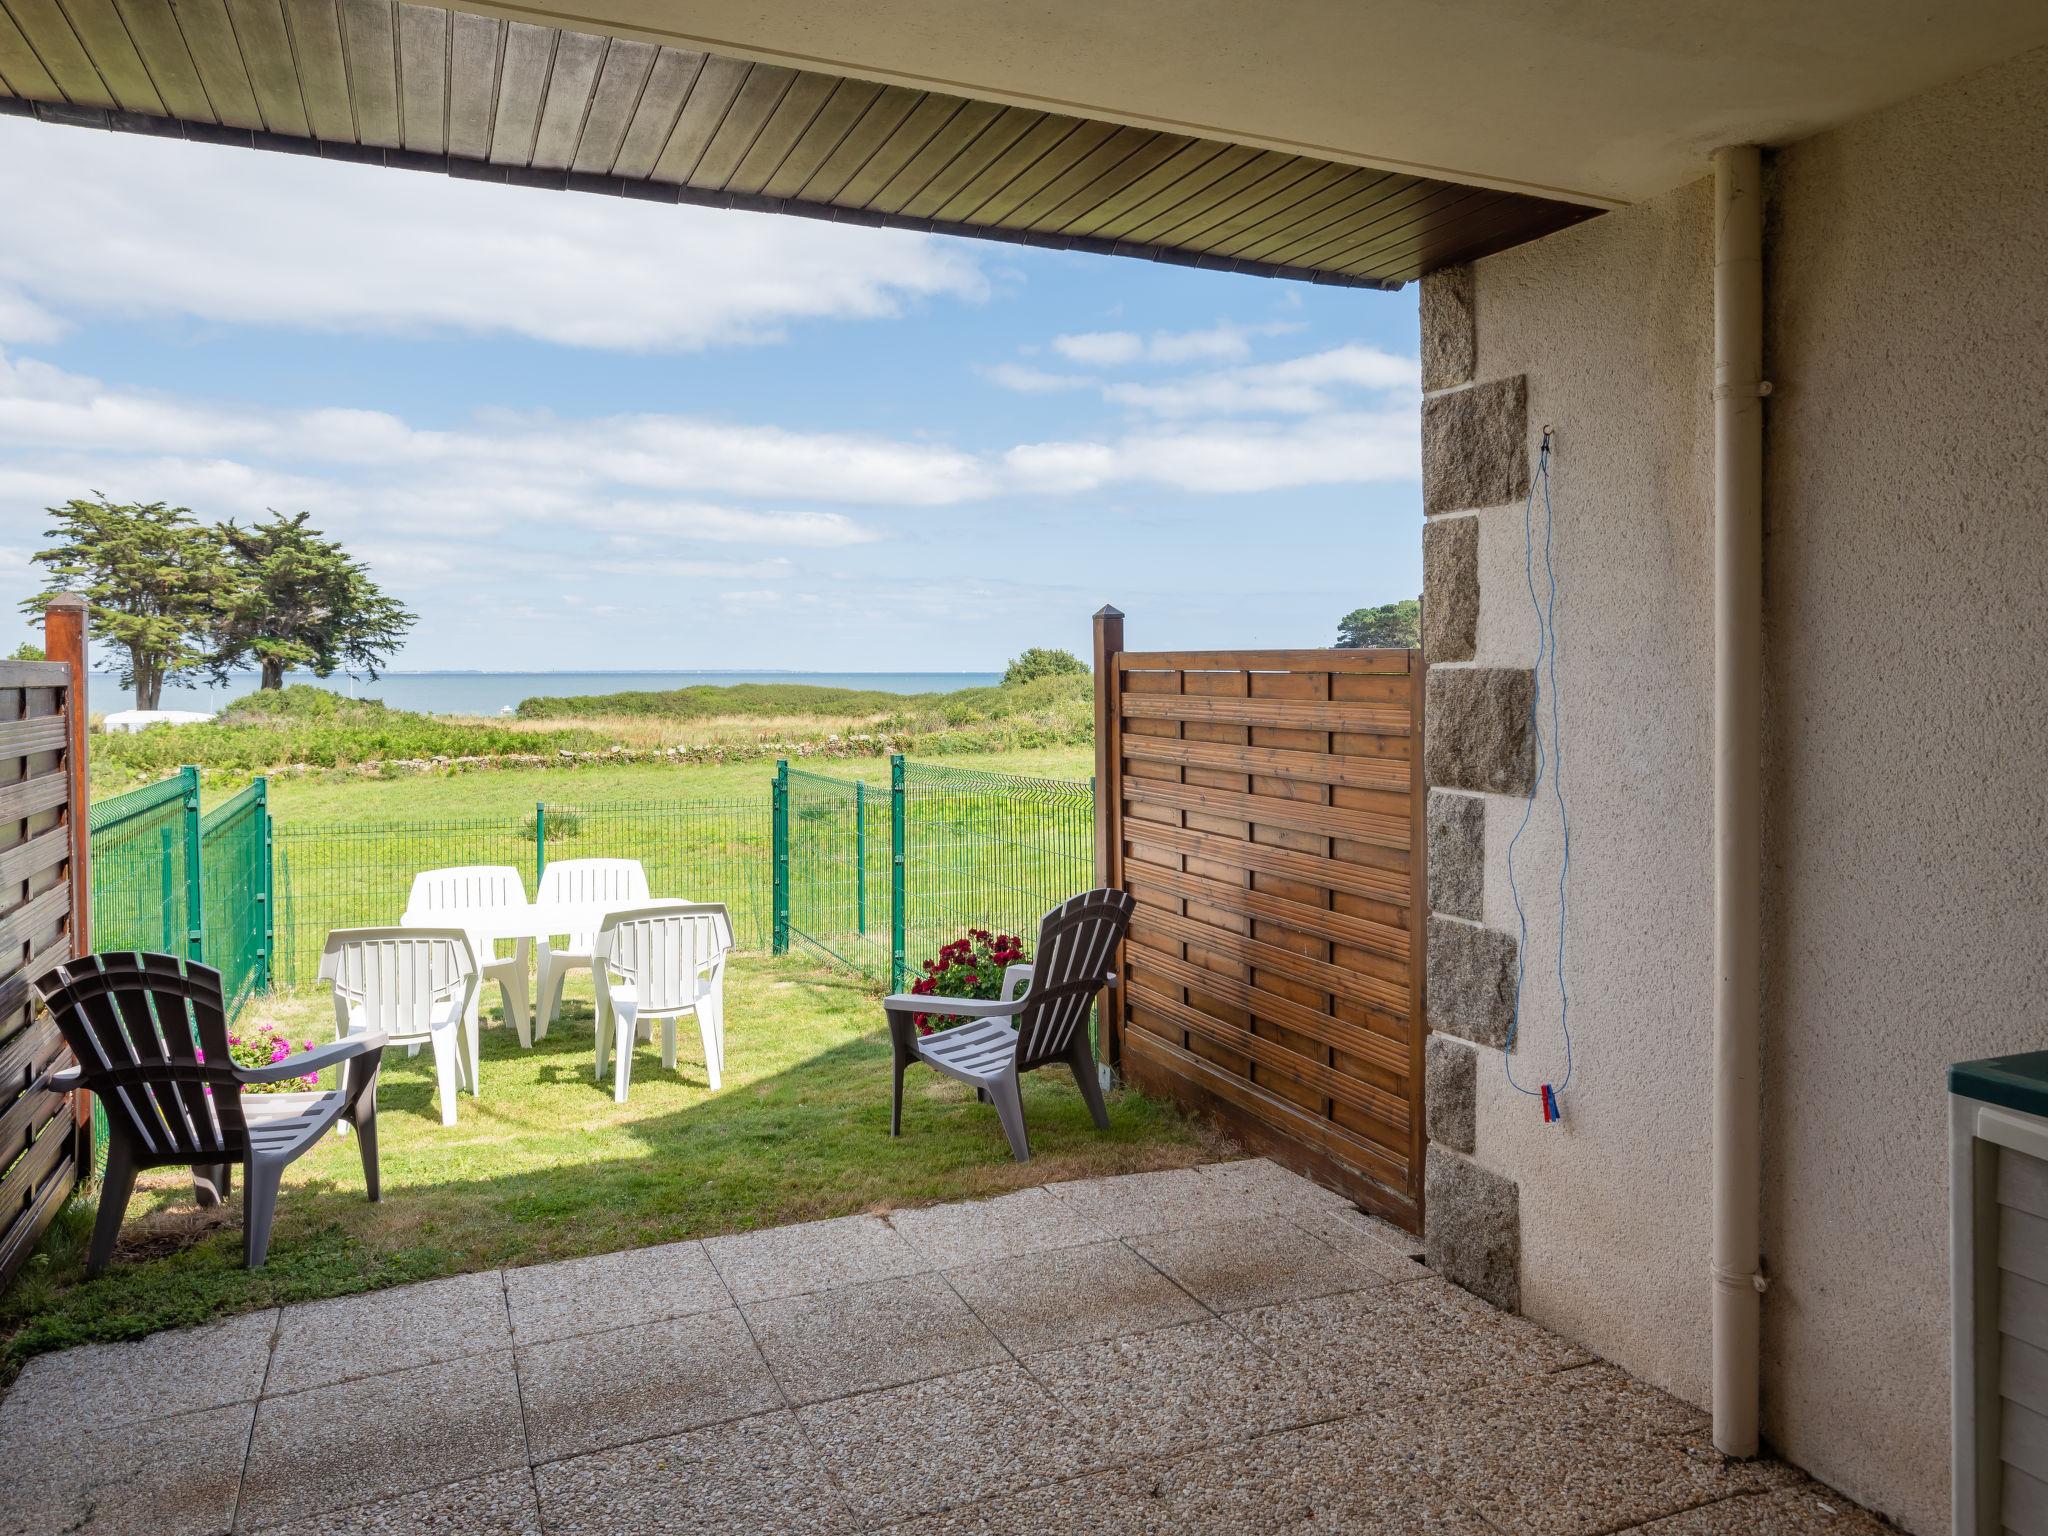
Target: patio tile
[499, 1505]
[816, 1256]
[168, 1476]
[1133, 1203]
[976, 1231]
[558, 1301]
[634, 1383]
[1100, 1504]
[1258, 1186]
[1586, 1450]
[932, 1444]
[1047, 1301]
[59, 1396]
[369, 1439]
[1395, 1343]
[322, 1342]
[867, 1336]
[1372, 1242]
[1256, 1263]
[755, 1475]
[1807, 1509]
[1178, 1389]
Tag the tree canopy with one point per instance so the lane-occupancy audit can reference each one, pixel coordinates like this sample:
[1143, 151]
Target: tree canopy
[1041, 662]
[151, 576]
[1394, 626]
[294, 598]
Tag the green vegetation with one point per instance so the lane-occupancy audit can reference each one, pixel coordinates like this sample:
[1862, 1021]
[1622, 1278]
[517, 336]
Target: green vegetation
[296, 599]
[1039, 662]
[1396, 626]
[28, 650]
[310, 729]
[545, 1166]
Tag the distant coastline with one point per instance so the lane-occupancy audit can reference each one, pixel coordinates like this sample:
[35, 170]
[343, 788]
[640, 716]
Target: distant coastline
[463, 692]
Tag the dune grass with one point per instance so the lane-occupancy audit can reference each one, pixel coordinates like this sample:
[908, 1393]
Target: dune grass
[545, 1166]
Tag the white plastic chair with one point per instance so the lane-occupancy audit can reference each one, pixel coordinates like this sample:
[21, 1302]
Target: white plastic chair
[447, 893]
[617, 882]
[661, 962]
[414, 986]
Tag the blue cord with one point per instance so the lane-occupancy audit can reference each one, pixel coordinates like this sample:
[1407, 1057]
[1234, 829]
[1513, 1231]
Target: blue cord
[1553, 759]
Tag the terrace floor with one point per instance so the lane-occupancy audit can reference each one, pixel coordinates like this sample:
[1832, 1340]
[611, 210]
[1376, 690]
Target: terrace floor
[1218, 1349]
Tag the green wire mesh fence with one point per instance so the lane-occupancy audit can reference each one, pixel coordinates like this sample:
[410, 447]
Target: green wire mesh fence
[833, 869]
[234, 893]
[144, 878]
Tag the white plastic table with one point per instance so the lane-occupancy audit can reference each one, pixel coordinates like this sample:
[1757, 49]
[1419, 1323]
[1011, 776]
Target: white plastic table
[524, 920]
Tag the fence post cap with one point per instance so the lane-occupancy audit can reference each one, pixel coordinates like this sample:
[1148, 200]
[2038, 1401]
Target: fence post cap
[66, 600]
[1109, 611]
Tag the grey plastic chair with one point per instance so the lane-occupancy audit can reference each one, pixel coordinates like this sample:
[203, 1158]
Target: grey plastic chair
[1075, 959]
[150, 1036]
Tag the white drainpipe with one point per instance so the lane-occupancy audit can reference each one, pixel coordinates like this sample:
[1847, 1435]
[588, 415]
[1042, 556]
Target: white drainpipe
[1738, 603]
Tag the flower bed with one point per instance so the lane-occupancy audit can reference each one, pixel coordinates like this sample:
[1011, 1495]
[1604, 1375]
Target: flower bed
[968, 967]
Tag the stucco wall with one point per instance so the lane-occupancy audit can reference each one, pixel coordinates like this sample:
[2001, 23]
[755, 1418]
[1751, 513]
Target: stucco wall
[1906, 777]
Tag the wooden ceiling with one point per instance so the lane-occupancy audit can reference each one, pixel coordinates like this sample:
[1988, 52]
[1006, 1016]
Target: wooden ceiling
[426, 88]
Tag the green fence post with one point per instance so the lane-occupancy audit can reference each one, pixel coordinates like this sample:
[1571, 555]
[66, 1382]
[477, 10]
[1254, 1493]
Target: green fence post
[195, 909]
[540, 843]
[265, 921]
[167, 889]
[780, 821]
[897, 966]
[860, 854]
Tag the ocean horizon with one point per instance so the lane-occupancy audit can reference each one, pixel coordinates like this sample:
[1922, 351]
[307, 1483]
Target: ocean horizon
[475, 692]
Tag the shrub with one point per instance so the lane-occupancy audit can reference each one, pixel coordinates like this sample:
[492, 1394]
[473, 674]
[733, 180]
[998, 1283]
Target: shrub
[968, 967]
[261, 1044]
[1039, 662]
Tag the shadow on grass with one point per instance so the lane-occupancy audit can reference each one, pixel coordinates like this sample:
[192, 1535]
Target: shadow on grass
[545, 1166]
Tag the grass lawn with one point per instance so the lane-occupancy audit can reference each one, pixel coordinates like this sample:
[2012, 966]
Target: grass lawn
[545, 1166]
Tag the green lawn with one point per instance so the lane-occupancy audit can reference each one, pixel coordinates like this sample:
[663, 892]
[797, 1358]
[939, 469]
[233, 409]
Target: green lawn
[545, 1166]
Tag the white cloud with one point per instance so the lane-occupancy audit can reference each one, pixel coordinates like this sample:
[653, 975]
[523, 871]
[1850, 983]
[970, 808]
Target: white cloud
[1220, 458]
[1298, 386]
[133, 226]
[1034, 381]
[1100, 349]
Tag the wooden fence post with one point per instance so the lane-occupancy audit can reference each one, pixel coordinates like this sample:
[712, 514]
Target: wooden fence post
[1109, 644]
[64, 627]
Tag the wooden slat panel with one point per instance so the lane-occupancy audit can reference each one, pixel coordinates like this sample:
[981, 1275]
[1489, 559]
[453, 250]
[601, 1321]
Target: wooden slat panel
[1358, 211]
[959, 141]
[38, 855]
[99, 27]
[883, 116]
[717, 84]
[20, 67]
[1273, 811]
[1144, 879]
[1304, 216]
[994, 141]
[370, 30]
[1352, 986]
[34, 674]
[39, 733]
[25, 797]
[1017, 194]
[1156, 196]
[1283, 196]
[315, 27]
[62, 55]
[759, 95]
[14, 989]
[1271, 1110]
[35, 917]
[1395, 213]
[785, 129]
[1309, 715]
[1039, 139]
[926, 121]
[56, 1186]
[1158, 150]
[1316, 1023]
[627, 67]
[571, 82]
[423, 55]
[1389, 885]
[660, 106]
[1259, 177]
[1387, 773]
[1080, 179]
[273, 73]
[522, 89]
[850, 99]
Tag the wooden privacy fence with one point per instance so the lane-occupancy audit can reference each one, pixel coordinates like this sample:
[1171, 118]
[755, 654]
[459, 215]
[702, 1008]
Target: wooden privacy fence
[1265, 810]
[45, 1138]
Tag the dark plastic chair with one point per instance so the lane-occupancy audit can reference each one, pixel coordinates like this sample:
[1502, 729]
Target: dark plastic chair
[1075, 960]
[150, 1035]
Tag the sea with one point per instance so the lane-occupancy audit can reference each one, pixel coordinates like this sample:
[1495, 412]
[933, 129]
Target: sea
[492, 693]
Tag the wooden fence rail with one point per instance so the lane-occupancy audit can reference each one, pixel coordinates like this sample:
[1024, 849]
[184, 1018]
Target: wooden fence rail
[1265, 809]
[45, 1137]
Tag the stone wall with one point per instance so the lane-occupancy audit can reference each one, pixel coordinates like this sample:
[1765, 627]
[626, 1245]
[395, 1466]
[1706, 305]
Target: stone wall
[1478, 742]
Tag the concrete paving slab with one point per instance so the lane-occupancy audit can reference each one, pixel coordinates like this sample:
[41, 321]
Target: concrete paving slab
[502, 1504]
[753, 1475]
[102, 1385]
[862, 1337]
[321, 1342]
[174, 1476]
[1044, 1301]
[1255, 1263]
[379, 1436]
[634, 1383]
[977, 1231]
[816, 1256]
[1130, 1204]
[1806, 1509]
[559, 1301]
[1258, 1186]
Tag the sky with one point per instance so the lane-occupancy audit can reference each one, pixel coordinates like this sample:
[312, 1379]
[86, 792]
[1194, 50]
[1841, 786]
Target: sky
[578, 432]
